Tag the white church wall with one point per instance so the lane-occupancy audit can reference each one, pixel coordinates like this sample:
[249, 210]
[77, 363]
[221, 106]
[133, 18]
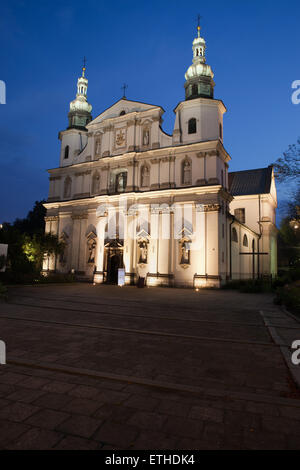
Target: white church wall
[76, 141]
[251, 206]
[208, 115]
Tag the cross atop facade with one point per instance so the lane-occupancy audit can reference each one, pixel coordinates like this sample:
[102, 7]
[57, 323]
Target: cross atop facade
[198, 19]
[124, 89]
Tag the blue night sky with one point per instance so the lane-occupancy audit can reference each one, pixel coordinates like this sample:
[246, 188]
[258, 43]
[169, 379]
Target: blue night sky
[252, 47]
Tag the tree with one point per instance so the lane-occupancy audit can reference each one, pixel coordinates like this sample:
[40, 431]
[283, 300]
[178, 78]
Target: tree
[287, 167]
[289, 234]
[34, 222]
[38, 247]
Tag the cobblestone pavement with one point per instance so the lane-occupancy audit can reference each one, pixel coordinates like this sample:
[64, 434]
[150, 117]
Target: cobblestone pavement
[102, 367]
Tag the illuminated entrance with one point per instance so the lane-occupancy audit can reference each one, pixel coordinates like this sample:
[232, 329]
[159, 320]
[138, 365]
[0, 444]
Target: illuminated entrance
[113, 260]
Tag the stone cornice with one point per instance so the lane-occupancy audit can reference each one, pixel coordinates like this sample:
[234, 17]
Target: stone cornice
[83, 215]
[208, 146]
[54, 178]
[51, 218]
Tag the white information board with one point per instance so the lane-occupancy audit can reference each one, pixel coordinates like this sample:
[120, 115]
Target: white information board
[121, 277]
[3, 251]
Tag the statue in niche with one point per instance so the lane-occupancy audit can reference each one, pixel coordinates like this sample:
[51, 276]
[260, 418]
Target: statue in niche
[92, 250]
[184, 252]
[146, 137]
[67, 187]
[63, 255]
[63, 252]
[186, 172]
[120, 182]
[143, 252]
[96, 184]
[98, 146]
[145, 176]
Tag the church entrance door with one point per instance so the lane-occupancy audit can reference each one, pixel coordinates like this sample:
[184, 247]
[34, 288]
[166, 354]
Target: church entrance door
[114, 260]
[114, 263]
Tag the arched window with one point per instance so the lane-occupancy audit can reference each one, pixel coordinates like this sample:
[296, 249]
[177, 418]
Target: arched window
[145, 176]
[122, 113]
[192, 126]
[195, 89]
[245, 240]
[67, 187]
[96, 183]
[186, 172]
[220, 131]
[67, 149]
[234, 235]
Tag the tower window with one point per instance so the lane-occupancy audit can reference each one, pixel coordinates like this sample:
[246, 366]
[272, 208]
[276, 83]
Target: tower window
[234, 235]
[220, 131]
[67, 148]
[122, 113]
[195, 89]
[192, 126]
[239, 214]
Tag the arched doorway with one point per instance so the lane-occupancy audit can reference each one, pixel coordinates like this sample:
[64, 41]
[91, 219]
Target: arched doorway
[114, 260]
[114, 263]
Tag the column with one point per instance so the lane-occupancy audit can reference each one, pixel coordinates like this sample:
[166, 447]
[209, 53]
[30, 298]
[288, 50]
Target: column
[98, 276]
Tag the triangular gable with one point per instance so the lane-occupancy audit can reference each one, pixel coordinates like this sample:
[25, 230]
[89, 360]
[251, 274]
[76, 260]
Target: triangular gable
[185, 232]
[122, 105]
[143, 235]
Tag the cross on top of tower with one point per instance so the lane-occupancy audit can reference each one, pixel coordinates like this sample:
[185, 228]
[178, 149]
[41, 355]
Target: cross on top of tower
[124, 89]
[84, 66]
[198, 24]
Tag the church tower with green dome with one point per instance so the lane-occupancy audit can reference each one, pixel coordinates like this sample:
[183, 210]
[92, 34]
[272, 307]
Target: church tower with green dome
[199, 76]
[199, 118]
[74, 138]
[80, 110]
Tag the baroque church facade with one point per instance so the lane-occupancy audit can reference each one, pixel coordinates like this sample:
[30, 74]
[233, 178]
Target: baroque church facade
[162, 207]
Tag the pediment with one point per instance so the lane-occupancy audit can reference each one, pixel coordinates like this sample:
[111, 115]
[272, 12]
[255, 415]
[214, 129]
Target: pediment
[122, 105]
[143, 235]
[91, 235]
[185, 233]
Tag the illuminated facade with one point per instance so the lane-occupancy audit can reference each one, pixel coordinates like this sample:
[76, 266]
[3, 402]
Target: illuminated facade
[128, 195]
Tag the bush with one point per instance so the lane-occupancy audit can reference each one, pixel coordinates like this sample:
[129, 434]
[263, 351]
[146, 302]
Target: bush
[250, 285]
[11, 277]
[290, 297]
[233, 284]
[56, 277]
[18, 277]
[2, 261]
[3, 292]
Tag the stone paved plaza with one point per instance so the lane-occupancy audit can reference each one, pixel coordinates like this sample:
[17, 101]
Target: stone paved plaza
[102, 367]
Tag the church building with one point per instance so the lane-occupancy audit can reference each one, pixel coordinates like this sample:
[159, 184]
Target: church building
[127, 195]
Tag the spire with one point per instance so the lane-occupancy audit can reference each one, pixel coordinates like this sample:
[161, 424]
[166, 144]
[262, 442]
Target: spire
[199, 76]
[80, 110]
[198, 27]
[84, 67]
